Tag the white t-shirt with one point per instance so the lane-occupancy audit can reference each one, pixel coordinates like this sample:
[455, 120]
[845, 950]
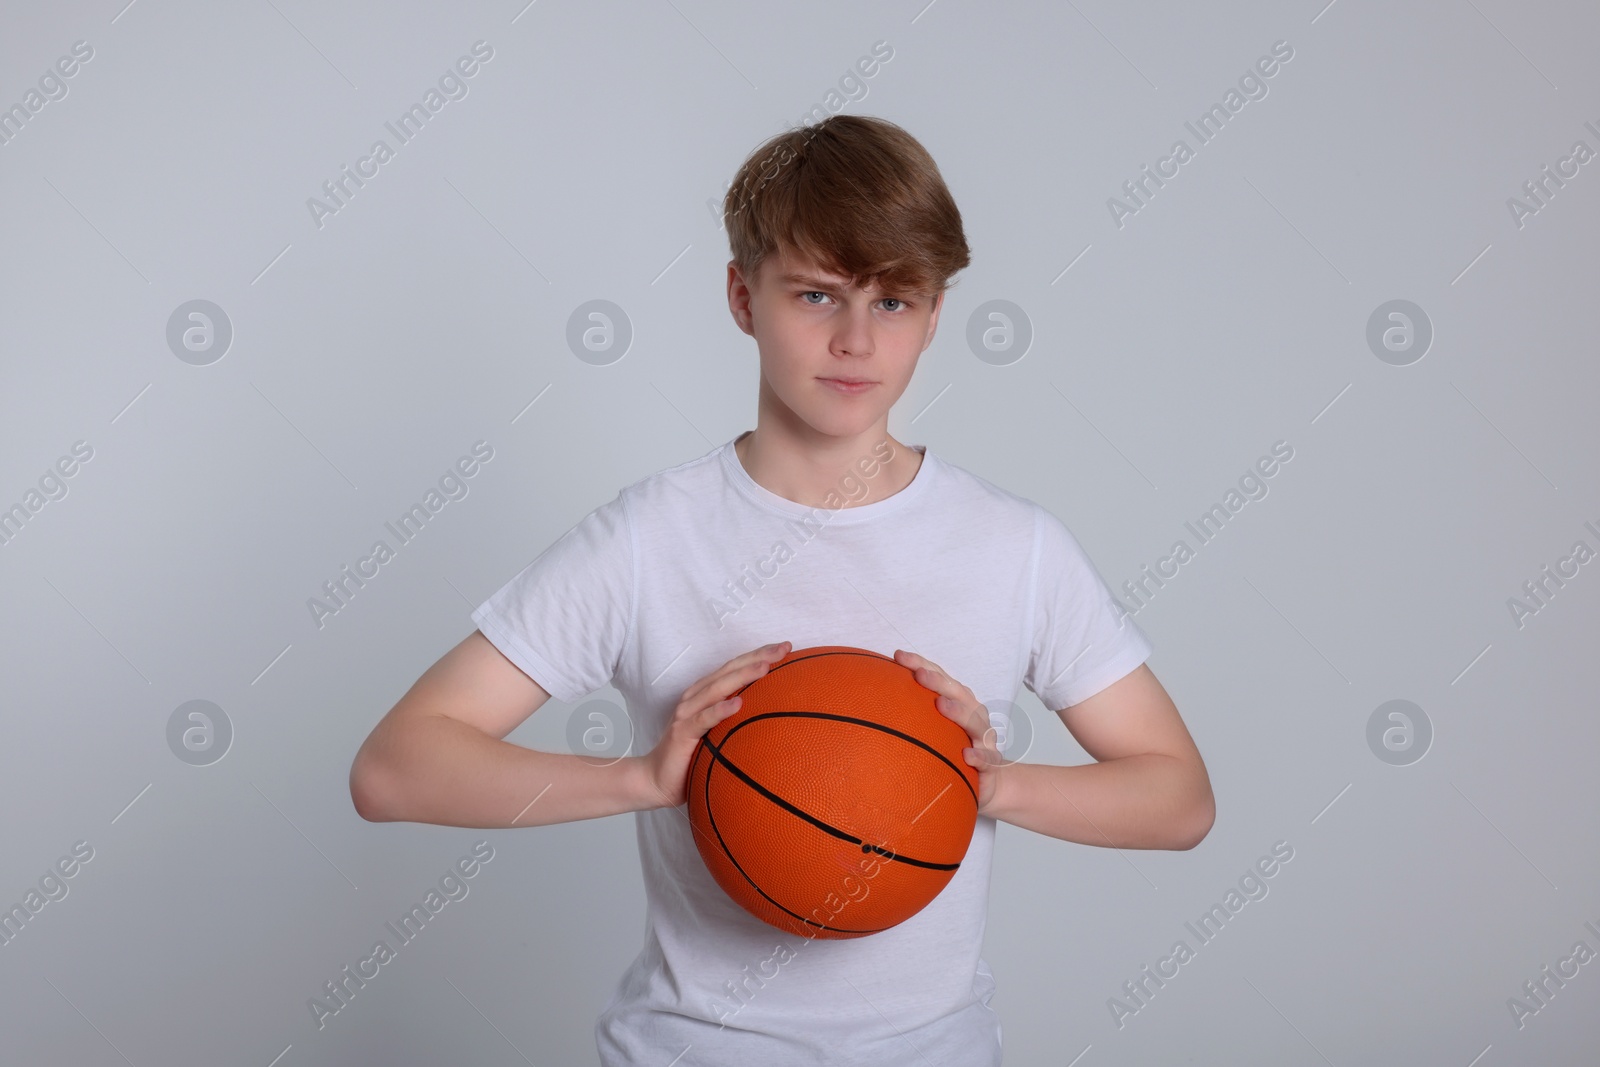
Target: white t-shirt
[696, 564]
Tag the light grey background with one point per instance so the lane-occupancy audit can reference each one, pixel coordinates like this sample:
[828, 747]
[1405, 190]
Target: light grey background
[432, 310]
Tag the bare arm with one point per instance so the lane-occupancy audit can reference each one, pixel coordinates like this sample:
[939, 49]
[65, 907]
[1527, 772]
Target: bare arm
[1148, 789]
[437, 756]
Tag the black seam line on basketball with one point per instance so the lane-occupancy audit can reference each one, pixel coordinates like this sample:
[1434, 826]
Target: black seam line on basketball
[815, 655]
[718, 757]
[860, 722]
[864, 654]
[711, 816]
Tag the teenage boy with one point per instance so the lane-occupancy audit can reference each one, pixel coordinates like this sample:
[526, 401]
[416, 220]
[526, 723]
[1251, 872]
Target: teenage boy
[815, 528]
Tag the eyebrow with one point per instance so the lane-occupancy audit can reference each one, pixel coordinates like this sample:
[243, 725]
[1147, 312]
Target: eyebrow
[812, 282]
[807, 279]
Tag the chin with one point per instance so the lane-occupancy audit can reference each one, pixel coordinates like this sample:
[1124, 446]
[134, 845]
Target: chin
[834, 415]
[842, 424]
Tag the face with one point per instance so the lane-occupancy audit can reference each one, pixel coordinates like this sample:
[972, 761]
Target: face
[811, 327]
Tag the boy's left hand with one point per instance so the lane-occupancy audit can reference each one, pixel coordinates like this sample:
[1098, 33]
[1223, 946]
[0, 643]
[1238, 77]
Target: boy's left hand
[958, 703]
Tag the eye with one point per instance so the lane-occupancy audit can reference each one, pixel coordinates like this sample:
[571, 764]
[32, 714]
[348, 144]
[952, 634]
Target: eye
[895, 300]
[812, 292]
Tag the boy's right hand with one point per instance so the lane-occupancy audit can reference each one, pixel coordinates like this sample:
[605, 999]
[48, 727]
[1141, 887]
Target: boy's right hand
[704, 704]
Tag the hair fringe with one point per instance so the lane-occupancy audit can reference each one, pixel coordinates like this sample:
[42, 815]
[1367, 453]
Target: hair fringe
[856, 194]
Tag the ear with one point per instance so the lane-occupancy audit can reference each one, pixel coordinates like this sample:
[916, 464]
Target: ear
[739, 299]
[933, 319]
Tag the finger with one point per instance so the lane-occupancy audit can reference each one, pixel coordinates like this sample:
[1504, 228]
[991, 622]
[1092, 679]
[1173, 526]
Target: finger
[925, 668]
[947, 686]
[911, 659]
[712, 714]
[973, 719]
[938, 681]
[776, 650]
[728, 682]
[737, 666]
[982, 758]
[694, 721]
[721, 688]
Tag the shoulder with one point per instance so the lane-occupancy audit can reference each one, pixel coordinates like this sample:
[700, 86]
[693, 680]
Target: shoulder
[977, 498]
[672, 493]
[1029, 529]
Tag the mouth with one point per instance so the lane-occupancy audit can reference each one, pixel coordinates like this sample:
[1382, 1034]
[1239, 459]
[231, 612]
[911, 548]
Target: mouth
[848, 385]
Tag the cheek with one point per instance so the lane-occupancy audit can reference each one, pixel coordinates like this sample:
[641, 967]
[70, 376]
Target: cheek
[905, 363]
[782, 367]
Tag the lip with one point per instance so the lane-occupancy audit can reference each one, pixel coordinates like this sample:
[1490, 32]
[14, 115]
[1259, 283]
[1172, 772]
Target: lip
[848, 386]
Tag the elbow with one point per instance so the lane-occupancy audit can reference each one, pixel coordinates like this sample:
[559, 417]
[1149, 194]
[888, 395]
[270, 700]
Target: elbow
[365, 791]
[1202, 815]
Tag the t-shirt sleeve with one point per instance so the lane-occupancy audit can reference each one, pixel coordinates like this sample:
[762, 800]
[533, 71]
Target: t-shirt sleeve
[565, 617]
[1080, 644]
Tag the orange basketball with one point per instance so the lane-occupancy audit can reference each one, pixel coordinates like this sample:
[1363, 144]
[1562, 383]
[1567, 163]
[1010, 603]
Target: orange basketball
[836, 801]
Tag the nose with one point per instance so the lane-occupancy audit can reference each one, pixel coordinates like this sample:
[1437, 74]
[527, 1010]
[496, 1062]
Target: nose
[852, 335]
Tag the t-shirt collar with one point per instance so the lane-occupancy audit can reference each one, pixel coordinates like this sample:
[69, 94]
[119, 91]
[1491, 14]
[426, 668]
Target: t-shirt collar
[848, 515]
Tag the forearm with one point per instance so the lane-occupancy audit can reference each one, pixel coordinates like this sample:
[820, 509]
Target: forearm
[1145, 801]
[446, 772]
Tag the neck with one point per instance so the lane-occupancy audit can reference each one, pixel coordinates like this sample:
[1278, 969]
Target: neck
[828, 472]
